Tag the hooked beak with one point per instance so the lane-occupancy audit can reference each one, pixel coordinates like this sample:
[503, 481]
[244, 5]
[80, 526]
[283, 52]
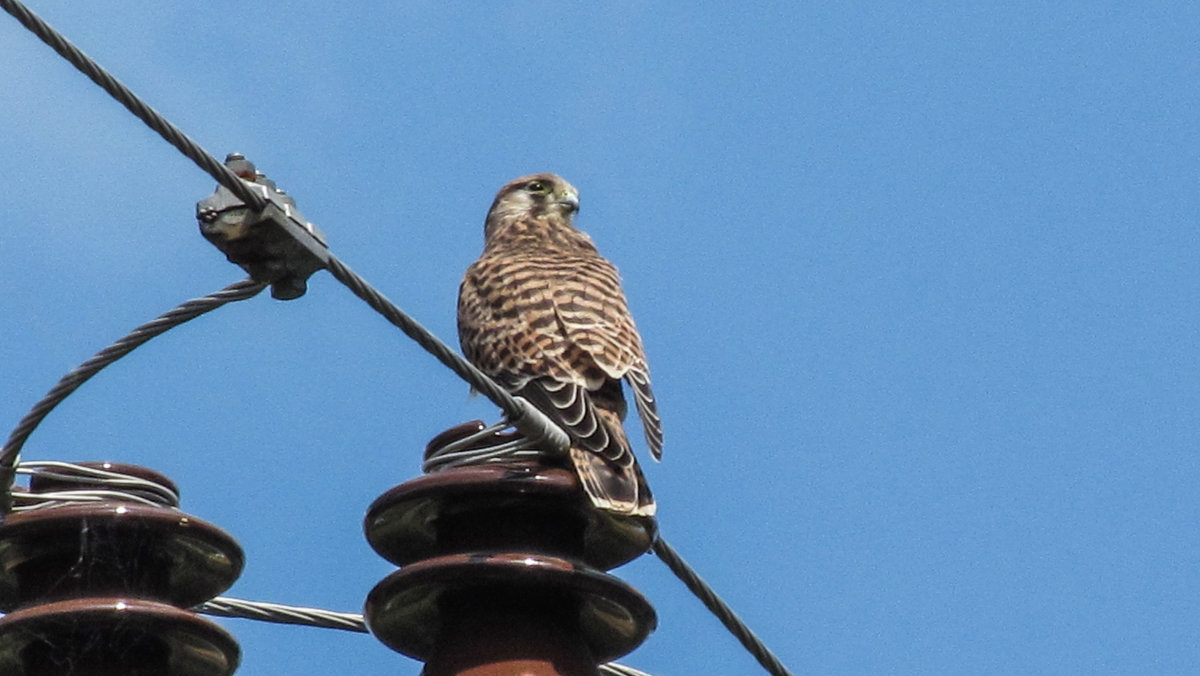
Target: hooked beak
[570, 202]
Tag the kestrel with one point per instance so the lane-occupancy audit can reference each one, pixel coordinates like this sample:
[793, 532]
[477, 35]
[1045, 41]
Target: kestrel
[543, 313]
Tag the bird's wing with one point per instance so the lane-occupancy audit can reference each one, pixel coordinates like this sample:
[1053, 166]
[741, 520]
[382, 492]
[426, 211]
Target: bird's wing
[594, 316]
[510, 328]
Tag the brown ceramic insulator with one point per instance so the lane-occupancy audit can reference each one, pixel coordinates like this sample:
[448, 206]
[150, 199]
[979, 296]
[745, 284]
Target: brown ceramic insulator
[414, 610]
[43, 483]
[113, 549]
[492, 632]
[113, 637]
[521, 506]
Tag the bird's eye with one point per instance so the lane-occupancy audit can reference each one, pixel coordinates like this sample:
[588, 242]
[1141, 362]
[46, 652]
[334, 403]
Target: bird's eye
[536, 186]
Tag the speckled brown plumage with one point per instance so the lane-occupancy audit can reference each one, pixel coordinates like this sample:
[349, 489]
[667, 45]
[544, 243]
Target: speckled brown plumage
[544, 314]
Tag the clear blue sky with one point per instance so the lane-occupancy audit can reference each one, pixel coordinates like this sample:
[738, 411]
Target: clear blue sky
[917, 282]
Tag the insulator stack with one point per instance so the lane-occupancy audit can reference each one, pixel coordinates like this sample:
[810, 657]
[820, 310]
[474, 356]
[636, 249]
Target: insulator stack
[102, 588]
[502, 570]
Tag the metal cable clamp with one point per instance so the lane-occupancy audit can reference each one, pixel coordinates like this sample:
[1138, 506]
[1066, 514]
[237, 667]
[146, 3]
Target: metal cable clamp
[275, 244]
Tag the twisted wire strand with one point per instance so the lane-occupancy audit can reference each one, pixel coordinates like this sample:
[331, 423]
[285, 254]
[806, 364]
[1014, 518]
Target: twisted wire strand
[718, 607]
[23, 503]
[96, 73]
[69, 472]
[241, 290]
[278, 613]
[464, 451]
[97, 485]
[614, 669]
[531, 422]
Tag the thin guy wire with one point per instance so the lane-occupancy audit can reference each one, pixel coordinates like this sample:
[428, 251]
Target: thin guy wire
[135, 105]
[246, 288]
[717, 607]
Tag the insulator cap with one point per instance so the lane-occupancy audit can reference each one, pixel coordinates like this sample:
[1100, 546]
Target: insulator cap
[111, 637]
[406, 611]
[114, 549]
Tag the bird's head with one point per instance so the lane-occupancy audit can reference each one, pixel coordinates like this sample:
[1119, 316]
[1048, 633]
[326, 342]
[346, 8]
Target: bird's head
[536, 196]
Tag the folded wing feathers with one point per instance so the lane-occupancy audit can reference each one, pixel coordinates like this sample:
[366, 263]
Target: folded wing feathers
[569, 405]
[638, 378]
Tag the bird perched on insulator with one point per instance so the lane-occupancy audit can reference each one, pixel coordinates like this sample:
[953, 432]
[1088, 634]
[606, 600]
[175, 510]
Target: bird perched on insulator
[543, 314]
